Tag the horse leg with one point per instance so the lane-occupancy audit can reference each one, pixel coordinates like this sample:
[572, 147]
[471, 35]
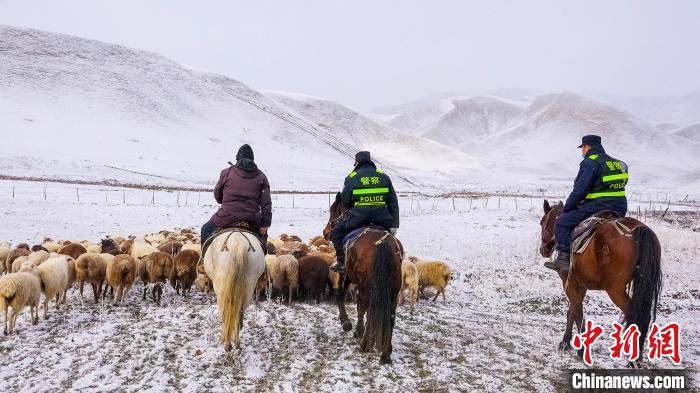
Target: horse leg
[575, 295]
[340, 301]
[622, 300]
[361, 310]
[401, 294]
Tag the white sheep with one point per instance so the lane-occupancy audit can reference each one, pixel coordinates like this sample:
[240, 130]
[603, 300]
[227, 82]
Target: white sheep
[409, 280]
[54, 279]
[141, 248]
[19, 290]
[51, 245]
[285, 273]
[38, 257]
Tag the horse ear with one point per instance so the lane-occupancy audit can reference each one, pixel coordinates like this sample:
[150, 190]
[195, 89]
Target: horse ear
[560, 204]
[546, 206]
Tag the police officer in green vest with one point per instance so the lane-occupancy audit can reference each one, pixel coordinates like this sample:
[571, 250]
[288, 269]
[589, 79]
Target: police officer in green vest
[370, 198]
[599, 185]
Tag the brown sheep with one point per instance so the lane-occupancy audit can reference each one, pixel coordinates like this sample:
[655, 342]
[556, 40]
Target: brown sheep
[171, 247]
[184, 271]
[433, 274]
[121, 274]
[14, 254]
[319, 240]
[262, 285]
[313, 276]
[155, 268]
[73, 250]
[91, 268]
[126, 246]
[110, 246]
[271, 249]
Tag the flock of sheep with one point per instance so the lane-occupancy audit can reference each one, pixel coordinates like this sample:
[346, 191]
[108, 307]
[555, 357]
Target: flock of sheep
[294, 270]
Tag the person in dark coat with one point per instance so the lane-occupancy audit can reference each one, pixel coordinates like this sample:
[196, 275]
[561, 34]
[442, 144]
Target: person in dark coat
[370, 198]
[599, 185]
[244, 194]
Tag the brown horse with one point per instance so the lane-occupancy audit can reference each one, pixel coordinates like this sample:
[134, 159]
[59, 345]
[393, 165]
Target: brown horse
[373, 264]
[614, 259]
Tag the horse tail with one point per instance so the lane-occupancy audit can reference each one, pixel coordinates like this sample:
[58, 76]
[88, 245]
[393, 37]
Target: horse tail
[233, 293]
[379, 312]
[646, 282]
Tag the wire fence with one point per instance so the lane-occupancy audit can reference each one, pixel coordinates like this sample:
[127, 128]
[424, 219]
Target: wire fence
[641, 204]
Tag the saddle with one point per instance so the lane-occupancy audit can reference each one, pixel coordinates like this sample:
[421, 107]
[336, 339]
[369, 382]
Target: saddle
[583, 233]
[352, 237]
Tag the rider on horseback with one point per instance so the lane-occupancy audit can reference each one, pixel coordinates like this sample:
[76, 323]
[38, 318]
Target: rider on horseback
[370, 198]
[244, 194]
[599, 185]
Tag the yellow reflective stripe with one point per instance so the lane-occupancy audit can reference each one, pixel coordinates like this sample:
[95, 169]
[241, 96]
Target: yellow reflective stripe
[605, 194]
[380, 171]
[616, 177]
[593, 156]
[352, 174]
[364, 191]
[370, 204]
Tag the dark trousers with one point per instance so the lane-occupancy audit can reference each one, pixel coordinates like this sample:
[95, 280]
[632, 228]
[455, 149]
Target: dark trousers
[569, 220]
[208, 229]
[355, 220]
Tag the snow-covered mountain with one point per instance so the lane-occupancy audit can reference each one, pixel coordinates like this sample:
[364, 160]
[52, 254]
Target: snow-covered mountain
[83, 109]
[536, 141]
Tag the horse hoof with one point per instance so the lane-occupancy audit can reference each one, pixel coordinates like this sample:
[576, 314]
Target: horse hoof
[347, 326]
[564, 345]
[579, 353]
[385, 360]
[228, 347]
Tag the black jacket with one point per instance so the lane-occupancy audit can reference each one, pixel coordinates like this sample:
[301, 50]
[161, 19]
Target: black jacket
[369, 192]
[587, 180]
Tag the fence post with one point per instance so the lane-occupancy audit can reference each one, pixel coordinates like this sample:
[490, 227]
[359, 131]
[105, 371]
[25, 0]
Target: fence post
[13, 192]
[45, 185]
[124, 196]
[153, 197]
[187, 197]
[106, 191]
[77, 194]
[293, 202]
[198, 193]
[453, 203]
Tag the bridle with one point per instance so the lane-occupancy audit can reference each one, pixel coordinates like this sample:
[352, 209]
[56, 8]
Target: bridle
[545, 220]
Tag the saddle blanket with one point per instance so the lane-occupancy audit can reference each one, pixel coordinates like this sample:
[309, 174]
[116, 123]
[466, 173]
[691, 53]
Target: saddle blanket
[584, 231]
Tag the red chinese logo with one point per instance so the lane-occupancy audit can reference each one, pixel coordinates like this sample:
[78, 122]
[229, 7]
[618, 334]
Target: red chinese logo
[626, 342]
[665, 342]
[587, 338]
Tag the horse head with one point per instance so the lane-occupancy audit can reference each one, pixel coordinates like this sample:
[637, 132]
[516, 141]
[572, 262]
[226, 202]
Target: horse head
[547, 241]
[336, 213]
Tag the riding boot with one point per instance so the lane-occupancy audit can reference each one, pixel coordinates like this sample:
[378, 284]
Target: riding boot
[339, 264]
[562, 261]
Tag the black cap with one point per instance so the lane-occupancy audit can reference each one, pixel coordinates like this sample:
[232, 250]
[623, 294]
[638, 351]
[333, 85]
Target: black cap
[591, 140]
[362, 157]
[245, 151]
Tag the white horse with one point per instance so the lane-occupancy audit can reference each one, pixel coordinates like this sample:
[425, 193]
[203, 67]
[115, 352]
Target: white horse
[234, 261]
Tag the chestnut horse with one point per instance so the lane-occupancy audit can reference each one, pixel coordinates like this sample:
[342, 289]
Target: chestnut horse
[373, 264]
[615, 258]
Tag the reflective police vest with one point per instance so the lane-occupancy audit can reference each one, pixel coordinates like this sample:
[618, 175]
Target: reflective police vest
[370, 187]
[613, 178]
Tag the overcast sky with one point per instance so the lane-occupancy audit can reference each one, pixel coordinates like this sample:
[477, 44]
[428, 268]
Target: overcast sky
[374, 53]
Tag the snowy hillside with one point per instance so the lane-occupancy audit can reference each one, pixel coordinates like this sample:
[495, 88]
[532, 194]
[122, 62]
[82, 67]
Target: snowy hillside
[88, 110]
[536, 141]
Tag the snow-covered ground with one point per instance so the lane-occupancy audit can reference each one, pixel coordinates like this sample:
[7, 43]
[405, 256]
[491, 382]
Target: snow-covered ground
[498, 331]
